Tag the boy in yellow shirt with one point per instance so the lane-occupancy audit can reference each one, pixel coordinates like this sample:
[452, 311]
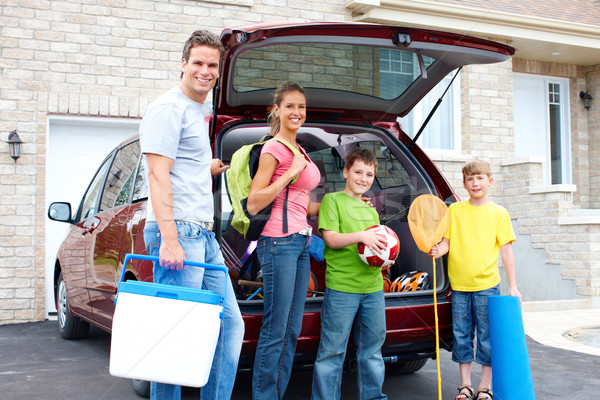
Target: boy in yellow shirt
[478, 229]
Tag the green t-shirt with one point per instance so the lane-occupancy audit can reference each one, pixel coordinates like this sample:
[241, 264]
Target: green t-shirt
[345, 270]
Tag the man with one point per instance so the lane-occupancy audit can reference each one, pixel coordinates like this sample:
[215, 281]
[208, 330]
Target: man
[174, 140]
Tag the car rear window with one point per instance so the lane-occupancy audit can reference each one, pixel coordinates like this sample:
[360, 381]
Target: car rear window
[380, 72]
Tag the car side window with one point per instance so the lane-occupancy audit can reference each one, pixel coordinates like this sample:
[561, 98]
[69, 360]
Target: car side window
[90, 200]
[140, 187]
[120, 177]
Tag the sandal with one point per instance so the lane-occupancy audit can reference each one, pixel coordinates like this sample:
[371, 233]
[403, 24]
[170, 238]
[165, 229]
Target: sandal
[465, 392]
[487, 392]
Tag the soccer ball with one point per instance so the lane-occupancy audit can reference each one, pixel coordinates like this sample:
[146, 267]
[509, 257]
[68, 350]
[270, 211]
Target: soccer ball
[388, 255]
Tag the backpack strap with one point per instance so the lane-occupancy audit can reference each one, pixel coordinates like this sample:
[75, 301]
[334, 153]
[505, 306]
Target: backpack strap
[285, 221]
[287, 188]
[293, 150]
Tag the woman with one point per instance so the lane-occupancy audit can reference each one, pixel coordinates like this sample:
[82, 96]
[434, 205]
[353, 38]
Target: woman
[283, 255]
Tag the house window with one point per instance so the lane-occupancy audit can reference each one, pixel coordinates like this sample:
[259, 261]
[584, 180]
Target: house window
[443, 130]
[397, 69]
[554, 112]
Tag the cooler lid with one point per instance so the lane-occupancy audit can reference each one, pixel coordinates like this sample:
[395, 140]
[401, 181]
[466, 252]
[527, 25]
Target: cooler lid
[170, 292]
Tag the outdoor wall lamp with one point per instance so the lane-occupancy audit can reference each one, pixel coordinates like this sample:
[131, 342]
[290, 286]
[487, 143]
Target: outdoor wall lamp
[587, 99]
[14, 145]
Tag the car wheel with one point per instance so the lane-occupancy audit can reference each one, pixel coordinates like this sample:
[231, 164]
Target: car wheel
[406, 367]
[141, 388]
[69, 327]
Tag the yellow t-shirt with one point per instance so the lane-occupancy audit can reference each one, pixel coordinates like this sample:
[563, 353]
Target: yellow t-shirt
[476, 234]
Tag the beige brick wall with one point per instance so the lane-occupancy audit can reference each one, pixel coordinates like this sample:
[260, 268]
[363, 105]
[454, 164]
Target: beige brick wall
[109, 58]
[592, 124]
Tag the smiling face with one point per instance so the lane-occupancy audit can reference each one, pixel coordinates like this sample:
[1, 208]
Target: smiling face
[359, 178]
[291, 111]
[477, 185]
[200, 72]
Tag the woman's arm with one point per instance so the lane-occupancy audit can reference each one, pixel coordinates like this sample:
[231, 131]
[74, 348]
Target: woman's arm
[313, 208]
[261, 192]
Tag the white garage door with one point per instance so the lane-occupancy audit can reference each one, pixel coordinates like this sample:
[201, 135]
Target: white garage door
[75, 148]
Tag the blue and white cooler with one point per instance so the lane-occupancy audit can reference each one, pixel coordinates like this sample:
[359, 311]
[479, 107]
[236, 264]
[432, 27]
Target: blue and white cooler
[164, 333]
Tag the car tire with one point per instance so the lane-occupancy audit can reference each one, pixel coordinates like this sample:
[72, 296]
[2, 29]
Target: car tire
[70, 327]
[141, 388]
[405, 367]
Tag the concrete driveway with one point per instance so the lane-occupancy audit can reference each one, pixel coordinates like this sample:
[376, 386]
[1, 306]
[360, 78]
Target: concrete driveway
[38, 364]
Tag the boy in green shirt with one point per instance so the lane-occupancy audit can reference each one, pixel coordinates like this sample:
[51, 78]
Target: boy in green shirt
[354, 289]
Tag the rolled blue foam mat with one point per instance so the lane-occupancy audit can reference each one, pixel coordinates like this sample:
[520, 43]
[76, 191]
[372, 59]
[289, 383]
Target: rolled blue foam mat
[511, 371]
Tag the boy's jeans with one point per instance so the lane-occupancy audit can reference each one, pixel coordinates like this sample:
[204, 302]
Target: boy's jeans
[201, 246]
[286, 272]
[340, 310]
[470, 315]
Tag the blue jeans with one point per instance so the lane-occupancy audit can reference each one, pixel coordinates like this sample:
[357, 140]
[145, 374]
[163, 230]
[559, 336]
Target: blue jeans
[201, 246]
[286, 272]
[470, 318]
[340, 311]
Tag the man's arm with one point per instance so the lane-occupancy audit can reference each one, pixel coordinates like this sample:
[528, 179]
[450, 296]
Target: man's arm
[217, 167]
[508, 259]
[171, 254]
[262, 192]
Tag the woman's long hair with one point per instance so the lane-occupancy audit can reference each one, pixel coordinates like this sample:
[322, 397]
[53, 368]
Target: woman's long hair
[280, 93]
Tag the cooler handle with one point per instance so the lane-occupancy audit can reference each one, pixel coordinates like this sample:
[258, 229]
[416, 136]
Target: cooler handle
[130, 256]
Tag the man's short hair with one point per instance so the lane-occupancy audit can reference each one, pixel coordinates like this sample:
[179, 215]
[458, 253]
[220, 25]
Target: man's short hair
[361, 154]
[476, 167]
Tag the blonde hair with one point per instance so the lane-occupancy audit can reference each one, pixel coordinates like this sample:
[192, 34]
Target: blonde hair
[280, 93]
[476, 167]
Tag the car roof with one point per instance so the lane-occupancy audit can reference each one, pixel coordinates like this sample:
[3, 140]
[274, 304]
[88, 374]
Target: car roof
[355, 71]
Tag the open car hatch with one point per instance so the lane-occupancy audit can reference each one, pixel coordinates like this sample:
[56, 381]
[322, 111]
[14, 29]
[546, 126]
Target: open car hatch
[354, 70]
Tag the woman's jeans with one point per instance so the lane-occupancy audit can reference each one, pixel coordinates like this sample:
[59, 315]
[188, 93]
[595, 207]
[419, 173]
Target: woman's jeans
[200, 245]
[286, 272]
[341, 311]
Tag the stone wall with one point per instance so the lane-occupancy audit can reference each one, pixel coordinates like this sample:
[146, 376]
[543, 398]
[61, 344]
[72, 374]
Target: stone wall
[592, 124]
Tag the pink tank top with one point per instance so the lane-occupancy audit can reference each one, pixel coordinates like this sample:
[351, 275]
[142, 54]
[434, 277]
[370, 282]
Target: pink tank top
[299, 194]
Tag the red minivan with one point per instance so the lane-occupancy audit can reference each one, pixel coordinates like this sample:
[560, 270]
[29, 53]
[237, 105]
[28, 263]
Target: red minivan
[359, 79]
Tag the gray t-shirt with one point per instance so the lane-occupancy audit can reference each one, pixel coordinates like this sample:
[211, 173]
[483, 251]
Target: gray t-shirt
[174, 126]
